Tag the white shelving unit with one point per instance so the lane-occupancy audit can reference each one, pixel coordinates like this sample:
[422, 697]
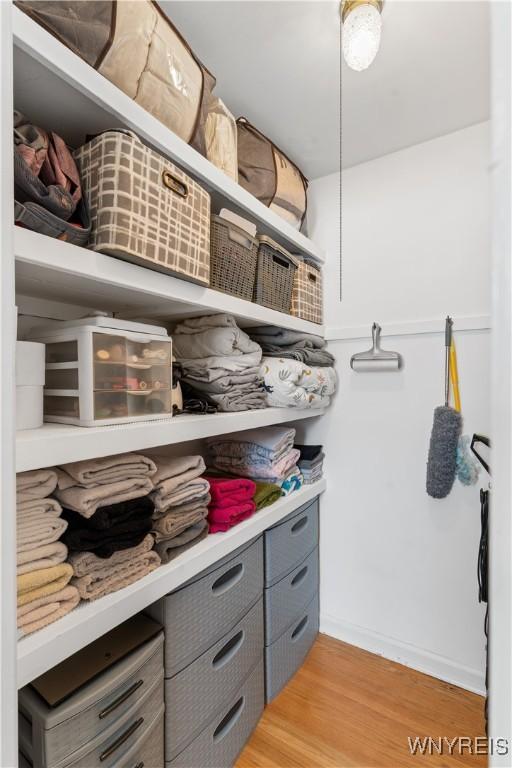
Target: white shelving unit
[41, 651]
[55, 87]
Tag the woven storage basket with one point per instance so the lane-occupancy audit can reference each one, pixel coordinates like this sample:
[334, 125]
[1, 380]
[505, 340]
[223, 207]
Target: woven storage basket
[233, 257]
[308, 293]
[275, 274]
[143, 208]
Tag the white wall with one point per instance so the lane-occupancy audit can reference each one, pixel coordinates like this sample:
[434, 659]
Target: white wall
[398, 568]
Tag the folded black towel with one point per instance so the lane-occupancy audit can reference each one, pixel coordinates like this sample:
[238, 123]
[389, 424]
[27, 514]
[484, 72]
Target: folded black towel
[81, 536]
[123, 512]
[308, 452]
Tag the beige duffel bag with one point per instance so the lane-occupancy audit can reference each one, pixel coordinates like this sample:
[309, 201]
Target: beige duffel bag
[221, 138]
[266, 172]
[135, 46]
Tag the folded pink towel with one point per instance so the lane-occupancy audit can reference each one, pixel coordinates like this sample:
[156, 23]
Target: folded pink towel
[35, 484]
[86, 501]
[224, 518]
[41, 557]
[45, 610]
[105, 470]
[230, 490]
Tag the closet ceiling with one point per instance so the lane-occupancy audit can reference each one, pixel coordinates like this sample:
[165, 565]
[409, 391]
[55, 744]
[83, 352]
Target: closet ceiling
[278, 63]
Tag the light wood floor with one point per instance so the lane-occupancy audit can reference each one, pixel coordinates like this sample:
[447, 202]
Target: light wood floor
[347, 707]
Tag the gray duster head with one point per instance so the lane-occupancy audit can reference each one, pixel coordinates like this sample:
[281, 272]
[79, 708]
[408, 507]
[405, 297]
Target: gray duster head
[442, 454]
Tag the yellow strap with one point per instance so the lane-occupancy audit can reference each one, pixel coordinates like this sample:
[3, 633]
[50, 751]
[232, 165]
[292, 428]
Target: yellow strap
[454, 375]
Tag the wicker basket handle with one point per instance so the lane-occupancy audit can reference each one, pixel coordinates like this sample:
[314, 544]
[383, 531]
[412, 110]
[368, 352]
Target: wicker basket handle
[242, 238]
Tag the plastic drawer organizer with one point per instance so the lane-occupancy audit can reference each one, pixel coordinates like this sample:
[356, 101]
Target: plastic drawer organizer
[105, 371]
[291, 595]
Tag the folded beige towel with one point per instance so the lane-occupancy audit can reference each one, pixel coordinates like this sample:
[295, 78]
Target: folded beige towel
[171, 524]
[37, 507]
[193, 490]
[41, 557]
[31, 586]
[186, 507]
[35, 484]
[103, 581]
[84, 563]
[38, 530]
[45, 610]
[171, 548]
[87, 500]
[109, 469]
[177, 471]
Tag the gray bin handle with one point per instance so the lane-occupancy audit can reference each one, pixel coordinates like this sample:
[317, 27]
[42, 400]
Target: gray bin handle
[229, 650]
[300, 576]
[300, 524]
[228, 579]
[300, 628]
[229, 720]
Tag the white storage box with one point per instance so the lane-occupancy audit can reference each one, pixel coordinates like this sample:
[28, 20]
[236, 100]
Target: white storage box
[101, 371]
[29, 384]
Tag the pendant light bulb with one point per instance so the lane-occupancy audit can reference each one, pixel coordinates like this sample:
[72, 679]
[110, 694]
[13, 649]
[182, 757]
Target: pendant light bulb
[361, 32]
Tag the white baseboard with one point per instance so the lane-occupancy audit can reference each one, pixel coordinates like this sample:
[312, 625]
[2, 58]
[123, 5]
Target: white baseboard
[403, 653]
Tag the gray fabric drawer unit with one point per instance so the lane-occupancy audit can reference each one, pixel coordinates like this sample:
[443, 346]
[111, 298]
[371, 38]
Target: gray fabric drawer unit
[284, 657]
[148, 751]
[219, 745]
[200, 613]
[289, 597]
[54, 733]
[108, 749]
[193, 695]
[290, 541]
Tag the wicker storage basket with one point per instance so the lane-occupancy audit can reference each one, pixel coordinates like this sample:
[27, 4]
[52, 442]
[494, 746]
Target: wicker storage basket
[143, 208]
[275, 273]
[233, 257]
[307, 296]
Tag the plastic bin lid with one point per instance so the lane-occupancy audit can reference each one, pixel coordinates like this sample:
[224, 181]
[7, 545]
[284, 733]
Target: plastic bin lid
[101, 321]
[279, 248]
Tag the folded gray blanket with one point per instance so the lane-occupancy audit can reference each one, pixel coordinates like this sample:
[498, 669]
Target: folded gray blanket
[210, 336]
[247, 379]
[237, 400]
[170, 548]
[304, 347]
[106, 470]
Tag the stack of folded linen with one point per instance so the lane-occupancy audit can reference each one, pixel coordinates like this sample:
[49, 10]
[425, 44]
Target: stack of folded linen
[96, 576]
[291, 384]
[219, 360]
[180, 499]
[304, 347]
[232, 500]
[261, 454]
[292, 482]
[266, 494]
[44, 593]
[311, 462]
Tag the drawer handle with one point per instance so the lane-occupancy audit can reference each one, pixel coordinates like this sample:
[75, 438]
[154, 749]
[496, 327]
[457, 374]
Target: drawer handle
[121, 740]
[300, 524]
[228, 579]
[299, 629]
[300, 576]
[126, 695]
[174, 184]
[229, 650]
[227, 722]
[139, 765]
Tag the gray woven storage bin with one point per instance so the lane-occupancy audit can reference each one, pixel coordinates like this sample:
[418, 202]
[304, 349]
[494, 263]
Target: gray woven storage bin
[233, 256]
[197, 693]
[199, 614]
[275, 273]
[52, 734]
[290, 541]
[284, 657]
[289, 597]
[219, 745]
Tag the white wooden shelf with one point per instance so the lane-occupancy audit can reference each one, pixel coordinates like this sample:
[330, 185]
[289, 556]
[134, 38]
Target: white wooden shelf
[55, 444]
[52, 269]
[44, 649]
[50, 80]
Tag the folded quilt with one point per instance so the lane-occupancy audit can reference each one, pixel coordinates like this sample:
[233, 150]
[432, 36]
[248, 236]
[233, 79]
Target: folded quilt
[36, 584]
[211, 336]
[104, 471]
[81, 537]
[37, 531]
[224, 518]
[37, 558]
[114, 515]
[35, 484]
[45, 610]
[310, 452]
[192, 491]
[226, 491]
[289, 383]
[266, 494]
[110, 578]
[168, 549]
[171, 525]
[177, 471]
[292, 482]
[269, 471]
[84, 563]
[86, 501]
[271, 443]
